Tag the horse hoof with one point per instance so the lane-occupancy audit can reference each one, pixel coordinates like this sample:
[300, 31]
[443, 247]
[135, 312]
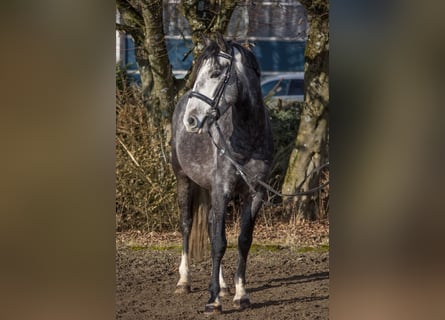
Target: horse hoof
[182, 288]
[212, 309]
[242, 303]
[224, 292]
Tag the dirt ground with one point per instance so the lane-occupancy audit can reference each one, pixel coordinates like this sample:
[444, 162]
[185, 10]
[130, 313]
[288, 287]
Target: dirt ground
[283, 282]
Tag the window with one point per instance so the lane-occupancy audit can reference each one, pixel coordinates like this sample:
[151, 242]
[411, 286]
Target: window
[267, 87]
[279, 87]
[296, 87]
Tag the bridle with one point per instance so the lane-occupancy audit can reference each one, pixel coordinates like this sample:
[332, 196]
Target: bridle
[214, 112]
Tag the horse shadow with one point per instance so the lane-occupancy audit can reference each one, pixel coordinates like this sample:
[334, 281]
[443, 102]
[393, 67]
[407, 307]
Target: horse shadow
[292, 280]
[295, 279]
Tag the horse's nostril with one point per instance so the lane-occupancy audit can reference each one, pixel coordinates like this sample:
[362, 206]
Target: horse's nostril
[192, 121]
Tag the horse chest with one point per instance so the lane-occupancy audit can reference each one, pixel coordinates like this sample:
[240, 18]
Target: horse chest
[196, 162]
[205, 166]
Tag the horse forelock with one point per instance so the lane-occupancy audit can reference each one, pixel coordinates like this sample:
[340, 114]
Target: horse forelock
[210, 52]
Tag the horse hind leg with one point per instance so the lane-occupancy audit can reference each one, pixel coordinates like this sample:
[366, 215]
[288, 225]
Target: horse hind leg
[184, 188]
[183, 285]
[248, 217]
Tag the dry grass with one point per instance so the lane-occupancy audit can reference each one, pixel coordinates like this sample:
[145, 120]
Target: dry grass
[301, 235]
[145, 184]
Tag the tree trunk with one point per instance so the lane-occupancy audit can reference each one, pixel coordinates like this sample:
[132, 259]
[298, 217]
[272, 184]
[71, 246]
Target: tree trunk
[144, 21]
[133, 24]
[310, 150]
[164, 88]
[144, 70]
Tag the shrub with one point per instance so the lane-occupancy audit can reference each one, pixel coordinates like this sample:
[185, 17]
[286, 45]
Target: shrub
[284, 119]
[145, 183]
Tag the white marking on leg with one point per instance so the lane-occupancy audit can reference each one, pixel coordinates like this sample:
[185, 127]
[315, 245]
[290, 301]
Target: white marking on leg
[184, 275]
[222, 282]
[240, 290]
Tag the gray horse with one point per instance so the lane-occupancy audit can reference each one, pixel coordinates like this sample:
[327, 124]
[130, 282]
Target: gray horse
[222, 143]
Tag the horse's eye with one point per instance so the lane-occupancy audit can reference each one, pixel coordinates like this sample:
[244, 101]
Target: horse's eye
[215, 74]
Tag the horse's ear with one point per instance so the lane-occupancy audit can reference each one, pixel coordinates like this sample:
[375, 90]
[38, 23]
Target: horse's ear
[222, 44]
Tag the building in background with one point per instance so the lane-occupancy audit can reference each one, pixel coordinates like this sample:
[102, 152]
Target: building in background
[277, 31]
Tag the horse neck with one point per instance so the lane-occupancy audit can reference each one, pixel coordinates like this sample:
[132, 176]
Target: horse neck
[249, 111]
[248, 114]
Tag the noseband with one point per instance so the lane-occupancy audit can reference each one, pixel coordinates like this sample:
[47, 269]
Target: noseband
[214, 113]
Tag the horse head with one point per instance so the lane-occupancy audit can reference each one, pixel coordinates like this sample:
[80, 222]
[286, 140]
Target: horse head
[213, 90]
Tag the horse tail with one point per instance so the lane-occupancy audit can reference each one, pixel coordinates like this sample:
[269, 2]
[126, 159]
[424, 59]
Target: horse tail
[198, 239]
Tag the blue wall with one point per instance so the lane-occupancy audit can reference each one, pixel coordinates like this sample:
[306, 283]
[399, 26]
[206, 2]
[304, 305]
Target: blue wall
[273, 56]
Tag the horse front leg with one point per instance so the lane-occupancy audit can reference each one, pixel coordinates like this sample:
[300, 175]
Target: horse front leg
[184, 189]
[218, 248]
[251, 207]
[224, 289]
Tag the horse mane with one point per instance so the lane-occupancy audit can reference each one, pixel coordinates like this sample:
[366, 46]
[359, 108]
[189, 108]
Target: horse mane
[248, 58]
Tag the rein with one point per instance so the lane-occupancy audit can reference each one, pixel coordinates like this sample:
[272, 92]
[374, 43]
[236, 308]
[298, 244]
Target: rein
[225, 151]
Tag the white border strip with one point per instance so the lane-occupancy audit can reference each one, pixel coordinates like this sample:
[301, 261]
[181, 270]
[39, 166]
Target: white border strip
[289, 39]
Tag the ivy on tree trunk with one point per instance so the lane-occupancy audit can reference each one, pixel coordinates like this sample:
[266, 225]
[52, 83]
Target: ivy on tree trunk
[310, 146]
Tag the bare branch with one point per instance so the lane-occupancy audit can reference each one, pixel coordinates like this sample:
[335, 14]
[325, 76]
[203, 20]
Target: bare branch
[126, 28]
[129, 153]
[130, 15]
